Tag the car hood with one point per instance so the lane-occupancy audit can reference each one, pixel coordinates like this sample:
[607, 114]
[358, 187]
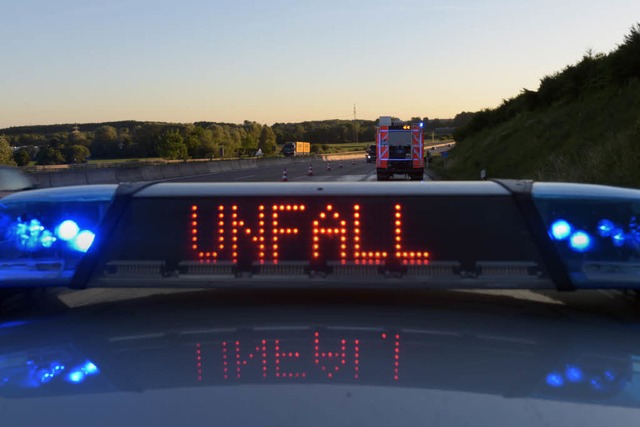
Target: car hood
[443, 358]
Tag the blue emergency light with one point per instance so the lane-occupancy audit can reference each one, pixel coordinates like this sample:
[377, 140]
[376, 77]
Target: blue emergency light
[45, 233]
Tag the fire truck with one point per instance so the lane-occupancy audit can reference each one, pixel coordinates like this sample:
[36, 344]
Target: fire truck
[400, 149]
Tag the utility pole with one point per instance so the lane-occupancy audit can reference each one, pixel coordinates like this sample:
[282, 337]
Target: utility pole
[355, 125]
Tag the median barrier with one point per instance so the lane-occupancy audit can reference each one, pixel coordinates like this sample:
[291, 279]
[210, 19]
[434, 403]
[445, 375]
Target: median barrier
[170, 171]
[213, 167]
[186, 169]
[247, 164]
[106, 175]
[101, 176]
[67, 178]
[151, 173]
[261, 163]
[225, 165]
[41, 179]
[232, 165]
[128, 174]
[201, 168]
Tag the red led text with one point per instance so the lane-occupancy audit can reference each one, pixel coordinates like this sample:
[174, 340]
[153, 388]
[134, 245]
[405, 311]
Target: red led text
[329, 233]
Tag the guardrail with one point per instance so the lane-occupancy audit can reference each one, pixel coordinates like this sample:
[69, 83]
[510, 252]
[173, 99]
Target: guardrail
[60, 177]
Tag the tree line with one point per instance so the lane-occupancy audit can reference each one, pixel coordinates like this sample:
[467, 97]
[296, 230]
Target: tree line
[140, 140]
[67, 144]
[349, 131]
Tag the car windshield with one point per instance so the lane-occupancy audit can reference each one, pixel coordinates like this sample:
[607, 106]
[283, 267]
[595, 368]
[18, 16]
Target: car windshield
[190, 231]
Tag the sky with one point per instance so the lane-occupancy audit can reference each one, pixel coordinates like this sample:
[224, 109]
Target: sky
[76, 61]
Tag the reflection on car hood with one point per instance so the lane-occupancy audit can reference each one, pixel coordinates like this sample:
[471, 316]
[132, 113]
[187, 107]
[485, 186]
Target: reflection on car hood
[216, 353]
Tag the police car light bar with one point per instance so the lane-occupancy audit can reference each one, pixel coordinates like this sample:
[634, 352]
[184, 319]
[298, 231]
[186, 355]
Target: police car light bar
[500, 234]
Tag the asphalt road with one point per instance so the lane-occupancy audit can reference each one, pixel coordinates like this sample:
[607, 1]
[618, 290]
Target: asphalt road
[346, 170]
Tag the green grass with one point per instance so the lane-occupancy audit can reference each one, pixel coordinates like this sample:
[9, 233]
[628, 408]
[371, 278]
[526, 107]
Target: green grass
[107, 161]
[349, 146]
[340, 148]
[595, 139]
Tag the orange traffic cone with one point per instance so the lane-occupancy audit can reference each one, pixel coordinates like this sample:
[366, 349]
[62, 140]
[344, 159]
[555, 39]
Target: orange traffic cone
[285, 176]
[310, 171]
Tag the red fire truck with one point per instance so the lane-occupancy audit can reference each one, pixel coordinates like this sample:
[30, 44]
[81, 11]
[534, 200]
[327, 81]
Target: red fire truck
[400, 149]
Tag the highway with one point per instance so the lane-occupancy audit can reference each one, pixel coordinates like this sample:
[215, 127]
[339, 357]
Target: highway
[349, 170]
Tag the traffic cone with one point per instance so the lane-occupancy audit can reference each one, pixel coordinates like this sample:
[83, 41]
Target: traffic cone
[285, 176]
[310, 171]
[328, 166]
[340, 165]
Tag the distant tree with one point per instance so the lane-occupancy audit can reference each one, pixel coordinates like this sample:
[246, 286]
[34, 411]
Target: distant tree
[124, 136]
[78, 138]
[626, 59]
[6, 154]
[193, 145]
[107, 133]
[56, 142]
[200, 142]
[49, 156]
[316, 148]
[126, 144]
[221, 137]
[76, 154]
[234, 143]
[61, 137]
[207, 148]
[251, 137]
[461, 119]
[267, 140]
[172, 146]
[105, 143]
[299, 133]
[22, 157]
[146, 139]
[30, 139]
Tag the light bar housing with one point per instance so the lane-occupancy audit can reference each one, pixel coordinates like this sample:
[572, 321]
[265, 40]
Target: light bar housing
[496, 234]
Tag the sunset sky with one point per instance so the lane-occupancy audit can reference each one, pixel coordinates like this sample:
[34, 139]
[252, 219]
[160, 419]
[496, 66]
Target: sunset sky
[79, 61]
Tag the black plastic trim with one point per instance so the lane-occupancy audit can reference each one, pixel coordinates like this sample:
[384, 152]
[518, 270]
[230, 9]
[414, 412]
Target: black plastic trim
[123, 195]
[521, 191]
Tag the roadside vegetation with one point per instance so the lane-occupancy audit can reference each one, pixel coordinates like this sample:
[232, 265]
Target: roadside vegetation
[129, 140]
[581, 125]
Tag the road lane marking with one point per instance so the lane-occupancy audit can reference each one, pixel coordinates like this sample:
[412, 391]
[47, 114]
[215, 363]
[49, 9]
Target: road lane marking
[243, 177]
[349, 177]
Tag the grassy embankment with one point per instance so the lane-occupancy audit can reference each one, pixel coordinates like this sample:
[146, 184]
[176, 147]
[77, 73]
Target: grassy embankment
[582, 125]
[594, 140]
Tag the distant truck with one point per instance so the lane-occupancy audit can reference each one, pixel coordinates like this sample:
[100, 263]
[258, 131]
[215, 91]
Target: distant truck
[400, 149]
[297, 148]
